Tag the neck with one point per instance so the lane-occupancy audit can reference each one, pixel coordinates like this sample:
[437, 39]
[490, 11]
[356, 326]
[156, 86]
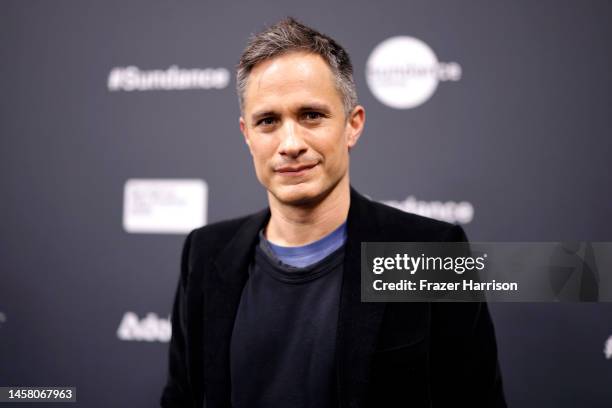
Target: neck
[291, 225]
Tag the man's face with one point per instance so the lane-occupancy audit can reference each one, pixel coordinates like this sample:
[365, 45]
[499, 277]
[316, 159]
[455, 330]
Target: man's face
[296, 128]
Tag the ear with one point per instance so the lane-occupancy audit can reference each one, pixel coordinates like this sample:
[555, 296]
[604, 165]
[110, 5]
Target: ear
[354, 125]
[245, 132]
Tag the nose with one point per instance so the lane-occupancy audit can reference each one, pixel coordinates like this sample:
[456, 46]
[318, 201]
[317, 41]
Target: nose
[291, 143]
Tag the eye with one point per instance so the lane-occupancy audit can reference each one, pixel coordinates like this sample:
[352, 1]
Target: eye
[312, 115]
[267, 121]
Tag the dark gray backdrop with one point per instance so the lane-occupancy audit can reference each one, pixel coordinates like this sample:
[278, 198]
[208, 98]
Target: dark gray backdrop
[524, 136]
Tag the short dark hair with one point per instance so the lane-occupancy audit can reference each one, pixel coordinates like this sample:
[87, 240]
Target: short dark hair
[290, 35]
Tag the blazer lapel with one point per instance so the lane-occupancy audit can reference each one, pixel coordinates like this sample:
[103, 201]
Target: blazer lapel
[222, 291]
[358, 323]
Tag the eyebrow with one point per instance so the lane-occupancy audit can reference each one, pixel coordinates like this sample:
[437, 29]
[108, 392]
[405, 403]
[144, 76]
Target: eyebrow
[259, 115]
[315, 107]
[305, 108]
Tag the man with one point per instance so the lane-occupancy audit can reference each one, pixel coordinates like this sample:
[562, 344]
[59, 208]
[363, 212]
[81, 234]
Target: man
[268, 311]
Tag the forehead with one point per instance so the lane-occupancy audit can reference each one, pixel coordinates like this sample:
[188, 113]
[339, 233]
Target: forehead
[295, 77]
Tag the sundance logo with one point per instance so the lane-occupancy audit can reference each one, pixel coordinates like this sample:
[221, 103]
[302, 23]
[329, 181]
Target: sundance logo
[174, 78]
[449, 211]
[403, 72]
[150, 328]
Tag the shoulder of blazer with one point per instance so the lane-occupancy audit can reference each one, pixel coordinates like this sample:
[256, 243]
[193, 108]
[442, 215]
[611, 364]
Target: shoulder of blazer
[397, 226]
[208, 241]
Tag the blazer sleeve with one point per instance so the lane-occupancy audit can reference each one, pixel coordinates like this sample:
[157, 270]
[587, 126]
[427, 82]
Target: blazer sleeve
[482, 364]
[178, 391]
[482, 382]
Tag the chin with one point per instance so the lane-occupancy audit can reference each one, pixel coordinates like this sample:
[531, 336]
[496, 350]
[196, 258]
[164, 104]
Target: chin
[297, 194]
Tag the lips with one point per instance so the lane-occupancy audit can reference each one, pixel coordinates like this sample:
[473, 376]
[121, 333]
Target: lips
[294, 170]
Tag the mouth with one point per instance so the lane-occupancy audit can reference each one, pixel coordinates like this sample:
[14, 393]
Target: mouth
[294, 171]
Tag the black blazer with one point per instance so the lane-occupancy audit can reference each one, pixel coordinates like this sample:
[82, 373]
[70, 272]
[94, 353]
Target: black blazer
[387, 354]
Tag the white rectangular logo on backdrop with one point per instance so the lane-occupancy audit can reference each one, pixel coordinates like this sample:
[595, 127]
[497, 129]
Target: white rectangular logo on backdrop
[164, 206]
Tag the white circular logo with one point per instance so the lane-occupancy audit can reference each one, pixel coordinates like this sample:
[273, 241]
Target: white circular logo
[403, 72]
